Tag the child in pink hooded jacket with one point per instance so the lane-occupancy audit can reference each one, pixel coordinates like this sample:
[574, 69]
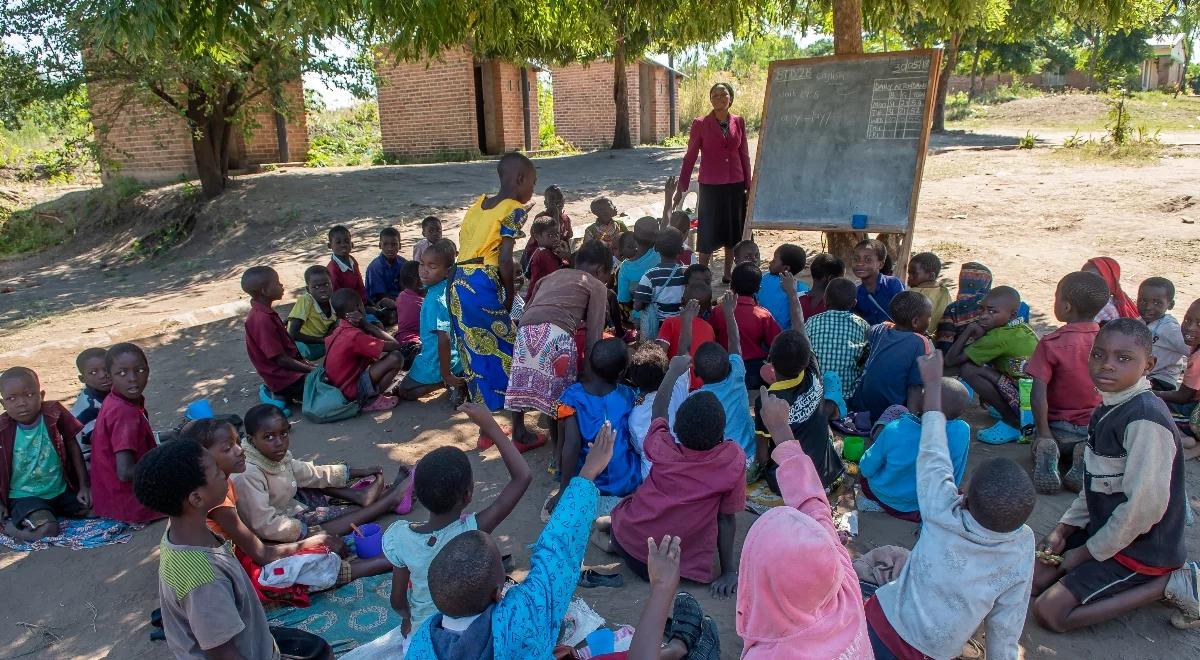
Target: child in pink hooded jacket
[815, 613]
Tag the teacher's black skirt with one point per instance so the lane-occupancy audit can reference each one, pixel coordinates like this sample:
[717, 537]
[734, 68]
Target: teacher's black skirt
[722, 215]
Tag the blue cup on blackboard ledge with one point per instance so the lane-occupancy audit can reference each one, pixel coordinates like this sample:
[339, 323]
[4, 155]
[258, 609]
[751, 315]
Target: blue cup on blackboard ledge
[858, 221]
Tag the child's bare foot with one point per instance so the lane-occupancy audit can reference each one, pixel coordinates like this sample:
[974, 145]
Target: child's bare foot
[372, 492]
[395, 493]
[521, 435]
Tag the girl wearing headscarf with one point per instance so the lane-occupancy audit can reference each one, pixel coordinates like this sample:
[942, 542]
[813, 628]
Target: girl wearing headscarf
[1120, 305]
[974, 282]
[814, 613]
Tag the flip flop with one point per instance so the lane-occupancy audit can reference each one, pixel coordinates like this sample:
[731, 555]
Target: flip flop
[539, 440]
[998, 434]
[381, 403]
[589, 579]
[405, 506]
[687, 620]
[833, 392]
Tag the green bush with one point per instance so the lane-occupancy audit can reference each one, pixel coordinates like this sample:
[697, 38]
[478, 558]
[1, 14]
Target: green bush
[346, 136]
[54, 142]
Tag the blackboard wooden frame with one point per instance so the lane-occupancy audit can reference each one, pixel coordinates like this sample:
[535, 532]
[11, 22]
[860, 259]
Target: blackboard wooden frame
[935, 55]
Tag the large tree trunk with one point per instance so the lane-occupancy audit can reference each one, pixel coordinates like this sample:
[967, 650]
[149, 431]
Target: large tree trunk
[621, 136]
[847, 38]
[939, 108]
[211, 132]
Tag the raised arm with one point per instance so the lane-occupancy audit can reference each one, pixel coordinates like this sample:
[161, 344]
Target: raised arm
[936, 490]
[662, 400]
[787, 282]
[728, 304]
[520, 476]
[669, 202]
[686, 318]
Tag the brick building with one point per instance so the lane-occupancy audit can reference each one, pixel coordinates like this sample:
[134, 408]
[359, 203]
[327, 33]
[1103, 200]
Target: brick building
[456, 104]
[147, 142]
[584, 112]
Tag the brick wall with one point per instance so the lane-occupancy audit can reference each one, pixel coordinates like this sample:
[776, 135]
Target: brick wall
[584, 112]
[261, 146]
[511, 122]
[662, 114]
[426, 107]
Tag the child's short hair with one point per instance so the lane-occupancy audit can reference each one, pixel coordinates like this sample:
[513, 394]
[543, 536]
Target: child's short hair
[124, 348]
[345, 301]
[955, 398]
[203, 431]
[711, 362]
[669, 243]
[1160, 283]
[790, 354]
[167, 474]
[1000, 495]
[431, 220]
[928, 261]
[697, 268]
[1006, 294]
[793, 257]
[444, 248]
[314, 271]
[700, 421]
[410, 275]
[1086, 292]
[841, 294]
[874, 245]
[21, 373]
[338, 230]
[699, 291]
[647, 366]
[257, 417]
[627, 242]
[745, 246]
[907, 306]
[598, 204]
[593, 253]
[88, 354]
[464, 576]
[609, 359]
[826, 265]
[1133, 328]
[746, 279]
[255, 278]
[389, 232]
[681, 221]
[443, 479]
[542, 225]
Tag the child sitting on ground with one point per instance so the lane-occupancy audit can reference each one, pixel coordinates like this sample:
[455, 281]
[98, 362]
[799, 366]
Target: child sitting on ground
[817, 608]
[660, 291]
[992, 352]
[890, 376]
[408, 312]
[648, 370]
[790, 258]
[210, 607]
[285, 499]
[1116, 548]
[587, 406]
[312, 317]
[888, 469]
[672, 336]
[42, 471]
[431, 232]
[549, 255]
[383, 275]
[746, 252]
[824, 269]
[269, 346]
[121, 438]
[1183, 401]
[361, 359]
[838, 337]
[444, 486]
[1119, 306]
[755, 325]
[555, 203]
[477, 616]
[794, 375]
[606, 228]
[343, 267]
[724, 374]
[924, 269]
[645, 231]
[971, 564]
[1156, 299]
[438, 364]
[695, 489]
[1063, 397]
[96, 386]
[875, 290]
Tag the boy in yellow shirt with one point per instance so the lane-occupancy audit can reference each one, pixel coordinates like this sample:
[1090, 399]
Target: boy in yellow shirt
[923, 272]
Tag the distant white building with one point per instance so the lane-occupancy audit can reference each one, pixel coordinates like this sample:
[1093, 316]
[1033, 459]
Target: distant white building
[1165, 67]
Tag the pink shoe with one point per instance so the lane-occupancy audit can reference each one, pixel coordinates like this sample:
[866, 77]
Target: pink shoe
[381, 403]
[405, 506]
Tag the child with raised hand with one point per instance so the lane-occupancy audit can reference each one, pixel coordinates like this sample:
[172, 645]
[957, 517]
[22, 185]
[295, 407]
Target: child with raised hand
[924, 269]
[360, 358]
[1155, 300]
[814, 612]
[978, 539]
[268, 345]
[1116, 548]
[438, 364]
[695, 489]
[755, 325]
[890, 375]
[312, 317]
[606, 229]
[285, 499]
[549, 255]
[648, 370]
[993, 351]
[838, 337]
[724, 374]
[210, 608]
[660, 291]
[686, 333]
[408, 312]
[771, 294]
[444, 486]
[466, 580]
[431, 232]
[121, 437]
[824, 269]
[96, 386]
[383, 275]
[1063, 396]
[875, 290]
[42, 471]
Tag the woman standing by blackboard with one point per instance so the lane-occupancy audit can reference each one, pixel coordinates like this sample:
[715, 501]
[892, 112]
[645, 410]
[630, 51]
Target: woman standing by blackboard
[720, 137]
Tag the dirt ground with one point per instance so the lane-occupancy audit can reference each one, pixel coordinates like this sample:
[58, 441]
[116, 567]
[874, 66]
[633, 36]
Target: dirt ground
[1027, 214]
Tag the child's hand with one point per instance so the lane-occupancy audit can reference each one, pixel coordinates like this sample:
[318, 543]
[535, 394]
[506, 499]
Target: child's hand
[787, 282]
[355, 318]
[476, 412]
[680, 364]
[690, 311]
[669, 189]
[930, 367]
[662, 562]
[774, 411]
[974, 331]
[599, 453]
[406, 626]
[1055, 541]
[84, 497]
[729, 301]
[725, 586]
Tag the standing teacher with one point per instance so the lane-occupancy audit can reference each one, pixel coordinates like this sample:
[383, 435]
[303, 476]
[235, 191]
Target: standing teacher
[724, 176]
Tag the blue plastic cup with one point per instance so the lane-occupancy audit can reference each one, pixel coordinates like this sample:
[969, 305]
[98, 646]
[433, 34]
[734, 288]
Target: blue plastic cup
[858, 221]
[368, 541]
[199, 409]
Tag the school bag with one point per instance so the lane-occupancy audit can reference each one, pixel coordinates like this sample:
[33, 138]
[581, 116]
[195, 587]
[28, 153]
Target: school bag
[651, 321]
[323, 401]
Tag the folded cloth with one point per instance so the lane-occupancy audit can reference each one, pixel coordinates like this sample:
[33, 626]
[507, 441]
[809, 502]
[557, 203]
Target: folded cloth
[78, 534]
[881, 565]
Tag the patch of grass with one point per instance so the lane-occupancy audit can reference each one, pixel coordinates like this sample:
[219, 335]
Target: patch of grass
[1130, 153]
[439, 156]
[1029, 141]
[553, 145]
[346, 136]
[46, 225]
[677, 140]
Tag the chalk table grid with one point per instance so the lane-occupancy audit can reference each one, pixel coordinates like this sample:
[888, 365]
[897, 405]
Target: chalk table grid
[897, 109]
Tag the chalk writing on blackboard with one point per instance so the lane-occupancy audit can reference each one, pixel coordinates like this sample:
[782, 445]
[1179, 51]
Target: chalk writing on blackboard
[897, 109]
[917, 65]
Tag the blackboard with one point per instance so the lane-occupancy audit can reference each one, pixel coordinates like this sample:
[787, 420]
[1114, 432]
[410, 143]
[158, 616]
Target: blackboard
[844, 135]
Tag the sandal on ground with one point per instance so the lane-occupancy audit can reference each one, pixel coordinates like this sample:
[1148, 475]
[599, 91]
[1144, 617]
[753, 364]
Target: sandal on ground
[687, 620]
[589, 579]
[381, 403]
[1181, 592]
[405, 506]
[708, 647]
[1045, 468]
[538, 441]
[999, 434]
